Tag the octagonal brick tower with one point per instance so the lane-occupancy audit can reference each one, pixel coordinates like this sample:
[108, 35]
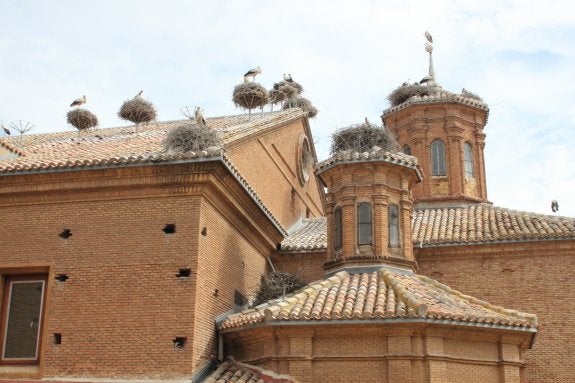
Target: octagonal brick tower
[444, 131]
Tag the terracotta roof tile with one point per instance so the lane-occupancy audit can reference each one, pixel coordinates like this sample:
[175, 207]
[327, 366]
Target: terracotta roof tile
[377, 154]
[379, 295]
[121, 145]
[309, 234]
[486, 223]
[235, 372]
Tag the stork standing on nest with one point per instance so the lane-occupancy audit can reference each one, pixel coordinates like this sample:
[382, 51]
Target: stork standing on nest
[79, 101]
[199, 116]
[288, 78]
[139, 95]
[251, 74]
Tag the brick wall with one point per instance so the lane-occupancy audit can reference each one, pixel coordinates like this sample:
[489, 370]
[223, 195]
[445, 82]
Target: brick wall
[534, 277]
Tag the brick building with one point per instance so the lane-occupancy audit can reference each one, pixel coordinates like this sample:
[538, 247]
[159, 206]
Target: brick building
[123, 261]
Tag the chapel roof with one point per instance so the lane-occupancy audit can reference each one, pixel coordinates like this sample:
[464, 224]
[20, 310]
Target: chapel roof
[376, 154]
[308, 235]
[231, 371]
[124, 145]
[382, 296]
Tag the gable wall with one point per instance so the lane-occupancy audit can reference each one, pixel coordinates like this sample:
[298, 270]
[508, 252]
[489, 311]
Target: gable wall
[269, 162]
[533, 277]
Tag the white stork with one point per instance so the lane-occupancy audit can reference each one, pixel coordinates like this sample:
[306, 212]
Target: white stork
[251, 74]
[79, 101]
[554, 206]
[428, 37]
[288, 78]
[5, 129]
[139, 95]
[199, 116]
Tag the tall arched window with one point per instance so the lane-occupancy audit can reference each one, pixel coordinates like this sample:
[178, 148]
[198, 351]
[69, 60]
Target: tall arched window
[407, 149]
[364, 223]
[393, 220]
[337, 230]
[438, 158]
[468, 160]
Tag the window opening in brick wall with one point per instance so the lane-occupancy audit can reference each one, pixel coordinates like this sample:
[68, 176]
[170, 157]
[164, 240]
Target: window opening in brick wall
[364, 223]
[337, 229]
[438, 158]
[22, 318]
[393, 218]
[468, 160]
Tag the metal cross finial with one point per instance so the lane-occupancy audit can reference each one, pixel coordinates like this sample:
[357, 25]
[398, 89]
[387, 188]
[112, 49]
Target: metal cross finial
[429, 49]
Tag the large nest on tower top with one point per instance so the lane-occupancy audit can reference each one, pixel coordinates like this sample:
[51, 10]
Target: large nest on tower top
[190, 137]
[304, 103]
[250, 95]
[82, 119]
[137, 110]
[275, 285]
[406, 91]
[363, 138]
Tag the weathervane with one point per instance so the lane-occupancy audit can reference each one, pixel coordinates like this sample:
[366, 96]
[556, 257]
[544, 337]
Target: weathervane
[429, 49]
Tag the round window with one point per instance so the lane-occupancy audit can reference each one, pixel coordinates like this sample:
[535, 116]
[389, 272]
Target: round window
[305, 160]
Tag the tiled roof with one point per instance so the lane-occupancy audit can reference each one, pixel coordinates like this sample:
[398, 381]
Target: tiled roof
[382, 295]
[486, 223]
[309, 234]
[236, 372]
[440, 95]
[123, 145]
[377, 154]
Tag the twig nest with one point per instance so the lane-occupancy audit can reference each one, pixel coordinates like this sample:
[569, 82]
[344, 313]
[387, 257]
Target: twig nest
[289, 88]
[137, 110]
[274, 284]
[304, 103]
[363, 138]
[276, 96]
[250, 95]
[82, 119]
[190, 137]
[405, 92]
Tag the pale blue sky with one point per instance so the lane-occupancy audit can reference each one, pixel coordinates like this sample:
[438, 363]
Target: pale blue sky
[519, 56]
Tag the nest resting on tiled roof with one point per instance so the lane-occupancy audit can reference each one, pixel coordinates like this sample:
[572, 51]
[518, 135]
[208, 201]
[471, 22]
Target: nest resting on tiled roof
[250, 95]
[303, 103]
[362, 138]
[405, 92]
[82, 119]
[274, 284]
[137, 110]
[191, 137]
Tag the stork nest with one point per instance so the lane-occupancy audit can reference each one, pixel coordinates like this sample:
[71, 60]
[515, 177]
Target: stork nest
[276, 96]
[405, 92]
[190, 137]
[137, 110]
[250, 95]
[273, 285]
[82, 119]
[303, 103]
[362, 138]
[292, 87]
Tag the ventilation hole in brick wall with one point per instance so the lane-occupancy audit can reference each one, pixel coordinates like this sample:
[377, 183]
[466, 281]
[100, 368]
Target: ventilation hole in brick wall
[170, 228]
[61, 277]
[180, 342]
[66, 233]
[57, 338]
[184, 273]
[205, 231]
[216, 292]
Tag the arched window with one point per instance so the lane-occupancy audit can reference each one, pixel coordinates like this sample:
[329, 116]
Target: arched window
[337, 230]
[438, 158]
[364, 223]
[393, 220]
[468, 160]
[407, 149]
